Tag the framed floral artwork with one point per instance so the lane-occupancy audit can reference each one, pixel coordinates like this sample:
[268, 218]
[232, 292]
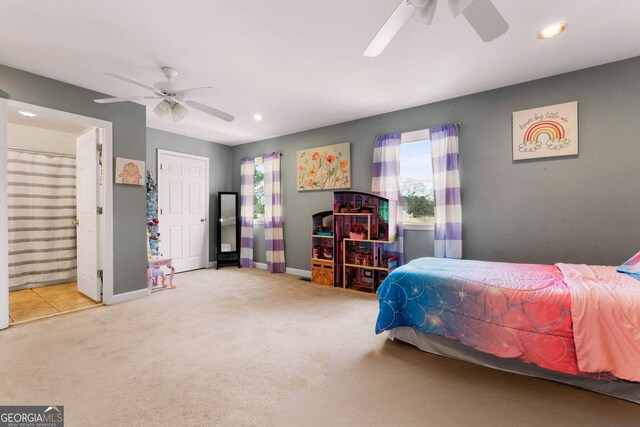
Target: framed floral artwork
[324, 168]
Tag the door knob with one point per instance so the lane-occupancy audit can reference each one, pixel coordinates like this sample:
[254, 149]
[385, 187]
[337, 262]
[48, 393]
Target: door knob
[203, 220]
[75, 222]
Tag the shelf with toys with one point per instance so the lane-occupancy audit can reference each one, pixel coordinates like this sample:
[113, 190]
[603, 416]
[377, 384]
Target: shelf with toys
[365, 263]
[322, 248]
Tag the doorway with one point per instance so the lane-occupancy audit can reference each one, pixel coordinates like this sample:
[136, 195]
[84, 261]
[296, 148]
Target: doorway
[183, 207]
[52, 180]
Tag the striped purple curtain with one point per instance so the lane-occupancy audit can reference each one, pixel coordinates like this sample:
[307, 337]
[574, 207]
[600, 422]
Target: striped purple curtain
[446, 186]
[247, 174]
[273, 234]
[385, 182]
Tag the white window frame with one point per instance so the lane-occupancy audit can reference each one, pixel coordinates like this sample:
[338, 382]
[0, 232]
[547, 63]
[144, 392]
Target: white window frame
[409, 138]
[257, 161]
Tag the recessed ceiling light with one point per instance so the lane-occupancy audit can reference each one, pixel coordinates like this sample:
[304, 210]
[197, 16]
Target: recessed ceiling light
[552, 30]
[257, 117]
[27, 114]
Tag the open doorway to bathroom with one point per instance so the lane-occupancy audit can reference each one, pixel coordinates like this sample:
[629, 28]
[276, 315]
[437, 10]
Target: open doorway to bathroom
[53, 182]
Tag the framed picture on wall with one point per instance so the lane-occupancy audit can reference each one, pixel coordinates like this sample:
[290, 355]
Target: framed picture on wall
[542, 132]
[324, 168]
[129, 171]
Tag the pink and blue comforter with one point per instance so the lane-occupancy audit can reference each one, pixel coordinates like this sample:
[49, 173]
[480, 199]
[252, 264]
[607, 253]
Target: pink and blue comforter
[508, 310]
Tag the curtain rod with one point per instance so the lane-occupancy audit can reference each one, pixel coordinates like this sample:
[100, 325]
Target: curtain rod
[458, 124]
[45, 153]
[260, 157]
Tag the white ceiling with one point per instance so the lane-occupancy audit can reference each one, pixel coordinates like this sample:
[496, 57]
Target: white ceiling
[299, 63]
[45, 122]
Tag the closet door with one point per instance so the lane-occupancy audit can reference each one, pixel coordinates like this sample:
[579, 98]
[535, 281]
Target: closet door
[183, 204]
[87, 173]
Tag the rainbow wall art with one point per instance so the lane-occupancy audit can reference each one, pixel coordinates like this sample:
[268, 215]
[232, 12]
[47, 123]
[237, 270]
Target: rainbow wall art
[546, 132]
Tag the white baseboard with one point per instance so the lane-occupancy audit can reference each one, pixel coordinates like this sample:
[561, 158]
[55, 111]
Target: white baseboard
[294, 271]
[298, 272]
[140, 293]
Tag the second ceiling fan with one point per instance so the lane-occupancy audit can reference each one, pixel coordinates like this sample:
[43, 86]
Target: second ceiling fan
[481, 14]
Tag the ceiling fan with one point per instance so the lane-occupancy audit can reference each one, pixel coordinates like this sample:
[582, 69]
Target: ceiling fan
[481, 14]
[171, 98]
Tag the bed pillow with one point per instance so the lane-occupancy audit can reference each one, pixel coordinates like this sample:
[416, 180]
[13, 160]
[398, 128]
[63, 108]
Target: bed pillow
[631, 267]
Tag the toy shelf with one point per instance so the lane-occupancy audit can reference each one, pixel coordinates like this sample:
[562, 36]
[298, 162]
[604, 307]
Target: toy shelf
[322, 248]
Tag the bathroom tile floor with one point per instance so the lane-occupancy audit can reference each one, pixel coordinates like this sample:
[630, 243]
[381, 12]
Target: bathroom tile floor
[34, 303]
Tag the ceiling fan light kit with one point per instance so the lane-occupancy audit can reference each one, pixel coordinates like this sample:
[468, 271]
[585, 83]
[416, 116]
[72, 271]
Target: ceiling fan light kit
[483, 16]
[162, 109]
[171, 100]
[178, 112]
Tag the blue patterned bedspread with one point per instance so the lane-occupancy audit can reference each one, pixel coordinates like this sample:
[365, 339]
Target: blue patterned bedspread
[509, 310]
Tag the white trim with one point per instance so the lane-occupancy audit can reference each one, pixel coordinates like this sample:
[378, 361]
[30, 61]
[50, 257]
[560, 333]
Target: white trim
[415, 136]
[293, 271]
[4, 221]
[298, 272]
[423, 227]
[179, 154]
[107, 225]
[106, 231]
[128, 296]
[206, 189]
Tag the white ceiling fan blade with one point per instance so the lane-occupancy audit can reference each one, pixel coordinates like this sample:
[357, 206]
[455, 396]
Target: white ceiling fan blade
[390, 28]
[486, 20]
[185, 92]
[210, 110]
[128, 80]
[425, 13]
[129, 98]
[458, 6]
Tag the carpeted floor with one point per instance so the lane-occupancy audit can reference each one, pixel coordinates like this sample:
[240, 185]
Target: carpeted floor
[243, 347]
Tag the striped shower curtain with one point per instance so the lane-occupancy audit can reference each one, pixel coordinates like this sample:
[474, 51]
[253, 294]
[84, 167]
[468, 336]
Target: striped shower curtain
[247, 175]
[385, 182]
[273, 234]
[446, 186]
[42, 206]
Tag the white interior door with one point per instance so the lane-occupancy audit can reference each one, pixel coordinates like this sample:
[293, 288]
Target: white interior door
[87, 190]
[183, 206]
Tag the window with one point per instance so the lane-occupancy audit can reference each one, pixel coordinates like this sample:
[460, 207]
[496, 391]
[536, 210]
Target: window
[258, 191]
[416, 179]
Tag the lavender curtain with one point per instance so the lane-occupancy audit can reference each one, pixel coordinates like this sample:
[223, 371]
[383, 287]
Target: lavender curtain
[247, 174]
[446, 186]
[385, 182]
[273, 235]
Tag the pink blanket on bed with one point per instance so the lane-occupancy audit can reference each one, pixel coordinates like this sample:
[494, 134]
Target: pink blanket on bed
[605, 309]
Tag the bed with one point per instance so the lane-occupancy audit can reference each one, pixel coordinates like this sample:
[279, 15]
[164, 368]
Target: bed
[575, 324]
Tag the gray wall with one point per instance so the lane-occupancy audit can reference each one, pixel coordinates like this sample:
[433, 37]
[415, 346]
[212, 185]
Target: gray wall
[129, 124]
[582, 210]
[220, 157]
